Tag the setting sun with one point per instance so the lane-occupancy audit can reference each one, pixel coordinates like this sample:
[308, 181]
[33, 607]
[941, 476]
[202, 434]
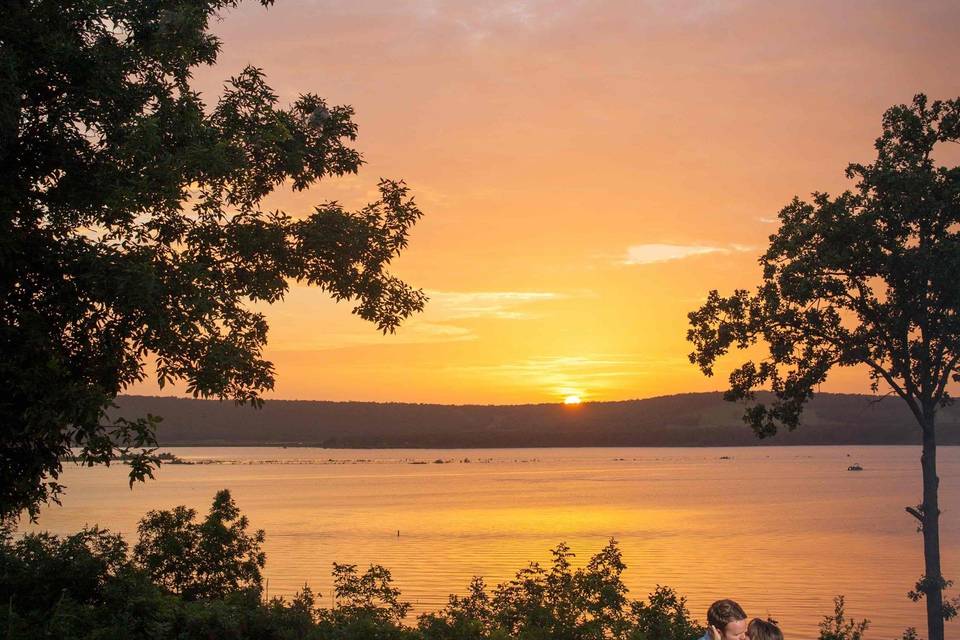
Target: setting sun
[571, 400]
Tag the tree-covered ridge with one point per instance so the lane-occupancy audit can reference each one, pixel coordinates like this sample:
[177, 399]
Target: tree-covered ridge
[696, 419]
[187, 579]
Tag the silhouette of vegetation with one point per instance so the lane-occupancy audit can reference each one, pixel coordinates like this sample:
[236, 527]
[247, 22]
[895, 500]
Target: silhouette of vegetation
[367, 595]
[867, 278]
[201, 560]
[90, 586]
[664, 616]
[187, 579]
[132, 227]
[542, 603]
[80, 586]
[838, 627]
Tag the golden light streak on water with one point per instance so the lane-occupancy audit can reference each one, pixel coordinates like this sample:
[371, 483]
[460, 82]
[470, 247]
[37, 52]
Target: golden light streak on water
[782, 530]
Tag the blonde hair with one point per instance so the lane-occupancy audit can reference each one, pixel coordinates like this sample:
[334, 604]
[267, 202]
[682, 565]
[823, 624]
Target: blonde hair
[763, 630]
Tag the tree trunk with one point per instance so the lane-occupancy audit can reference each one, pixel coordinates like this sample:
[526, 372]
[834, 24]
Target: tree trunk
[933, 580]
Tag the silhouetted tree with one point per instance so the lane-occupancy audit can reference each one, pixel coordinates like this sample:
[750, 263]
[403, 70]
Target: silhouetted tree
[78, 586]
[86, 586]
[664, 616]
[866, 278]
[839, 627]
[562, 603]
[201, 560]
[132, 227]
[468, 617]
[370, 594]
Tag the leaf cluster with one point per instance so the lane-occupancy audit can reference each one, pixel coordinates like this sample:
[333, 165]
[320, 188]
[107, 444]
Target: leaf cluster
[369, 595]
[561, 603]
[839, 627]
[89, 586]
[201, 560]
[132, 226]
[864, 278]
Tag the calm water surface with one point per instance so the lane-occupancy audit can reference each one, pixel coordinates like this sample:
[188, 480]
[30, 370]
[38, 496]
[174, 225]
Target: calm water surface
[780, 529]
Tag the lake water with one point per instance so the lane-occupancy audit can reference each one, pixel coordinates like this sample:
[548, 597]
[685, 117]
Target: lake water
[780, 529]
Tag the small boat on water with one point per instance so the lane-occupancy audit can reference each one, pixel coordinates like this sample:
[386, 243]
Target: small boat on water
[855, 467]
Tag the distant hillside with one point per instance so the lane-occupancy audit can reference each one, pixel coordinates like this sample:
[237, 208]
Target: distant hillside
[696, 419]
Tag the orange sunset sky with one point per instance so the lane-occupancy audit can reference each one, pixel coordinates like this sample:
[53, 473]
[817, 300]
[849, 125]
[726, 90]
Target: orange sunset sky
[588, 171]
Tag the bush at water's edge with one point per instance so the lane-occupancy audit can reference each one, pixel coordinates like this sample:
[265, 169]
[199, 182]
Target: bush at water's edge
[200, 579]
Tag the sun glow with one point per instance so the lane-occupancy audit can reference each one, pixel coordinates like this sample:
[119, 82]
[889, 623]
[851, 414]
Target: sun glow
[571, 400]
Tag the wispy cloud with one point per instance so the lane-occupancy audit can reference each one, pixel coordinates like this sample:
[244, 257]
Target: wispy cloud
[505, 305]
[414, 331]
[441, 321]
[655, 253]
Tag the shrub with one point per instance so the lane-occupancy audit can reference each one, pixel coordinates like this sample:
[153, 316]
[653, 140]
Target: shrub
[837, 627]
[201, 560]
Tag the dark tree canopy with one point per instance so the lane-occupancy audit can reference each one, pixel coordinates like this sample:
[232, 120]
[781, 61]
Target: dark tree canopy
[370, 595]
[201, 560]
[589, 603]
[87, 586]
[868, 278]
[131, 226]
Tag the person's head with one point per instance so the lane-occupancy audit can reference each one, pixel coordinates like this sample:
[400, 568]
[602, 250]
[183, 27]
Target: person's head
[727, 617]
[763, 630]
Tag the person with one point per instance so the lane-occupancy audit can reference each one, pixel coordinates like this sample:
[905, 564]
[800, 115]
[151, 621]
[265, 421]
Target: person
[763, 630]
[727, 621]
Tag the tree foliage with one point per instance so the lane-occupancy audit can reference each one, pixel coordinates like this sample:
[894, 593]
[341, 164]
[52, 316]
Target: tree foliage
[561, 603]
[866, 278]
[370, 595]
[201, 560]
[132, 226]
[839, 627]
[664, 616]
[79, 586]
[88, 585]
